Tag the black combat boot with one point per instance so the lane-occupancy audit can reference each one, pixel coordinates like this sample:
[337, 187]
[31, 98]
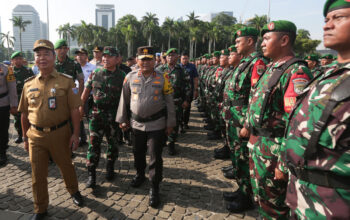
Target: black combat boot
[19, 139]
[3, 158]
[110, 170]
[154, 196]
[91, 183]
[171, 148]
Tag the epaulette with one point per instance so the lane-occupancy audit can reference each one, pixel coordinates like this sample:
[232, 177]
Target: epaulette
[66, 75]
[29, 78]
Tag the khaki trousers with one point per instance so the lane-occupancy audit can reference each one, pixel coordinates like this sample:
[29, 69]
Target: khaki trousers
[41, 146]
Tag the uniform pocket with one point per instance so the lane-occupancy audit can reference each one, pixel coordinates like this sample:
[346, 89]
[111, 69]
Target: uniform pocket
[34, 99]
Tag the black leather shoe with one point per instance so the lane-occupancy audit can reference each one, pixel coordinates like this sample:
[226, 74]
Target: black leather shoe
[18, 140]
[3, 158]
[138, 180]
[232, 196]
[154, 197]
[78, 199]
[225, 149]
[240, 205]
[91, 182]
[171, 149]
[229, 174]
[110, 170]
[221, 156]
[186, 126]
[225, 169]
[38, 216]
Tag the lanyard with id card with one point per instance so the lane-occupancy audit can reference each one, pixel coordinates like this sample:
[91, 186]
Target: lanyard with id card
[52, 100]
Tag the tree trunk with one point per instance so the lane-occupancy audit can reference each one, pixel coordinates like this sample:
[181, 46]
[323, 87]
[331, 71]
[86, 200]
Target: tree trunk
[195, 49]
[129, 48]
[20, 39]
[179, 44]
[169, 41]
[150, 40]
[8, 49]
[191, 49]
[209, 46]
[214, 44]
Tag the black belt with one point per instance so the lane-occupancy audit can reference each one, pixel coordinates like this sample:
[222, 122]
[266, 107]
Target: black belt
[320, 177]
[49, 129]
[3, 95]
[268, 132]
[153, 117]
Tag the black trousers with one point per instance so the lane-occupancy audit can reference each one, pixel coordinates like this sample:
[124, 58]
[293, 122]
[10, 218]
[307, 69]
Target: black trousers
[4, 128]
[187, 111]
[152, 141]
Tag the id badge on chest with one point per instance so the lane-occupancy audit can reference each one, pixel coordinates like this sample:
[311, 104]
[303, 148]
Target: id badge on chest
[52, 100]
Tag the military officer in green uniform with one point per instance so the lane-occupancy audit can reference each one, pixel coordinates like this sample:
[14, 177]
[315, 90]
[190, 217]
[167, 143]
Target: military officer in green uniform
[327, 59]
[21, 74]
[313, 64]
[181, 84]
[106, 86]
[316, 148]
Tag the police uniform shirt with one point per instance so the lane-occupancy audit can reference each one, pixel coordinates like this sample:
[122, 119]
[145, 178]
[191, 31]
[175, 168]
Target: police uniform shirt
[37, 93]
[145, 97]
[8, 85]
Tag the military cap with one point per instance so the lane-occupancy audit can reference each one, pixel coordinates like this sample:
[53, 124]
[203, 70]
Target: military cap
[42, 43]
[81, 50]
[145, 52]
[279, 26]
[191, 60]
[98, 49]
[171, 50]
[225, 52]
[216, 54]
[312, 57]
[16, 54]
[207, 56]
[332, 5]
[111, 51]
[232, 48]
[246, 32]
[60, 43]
[327, 56]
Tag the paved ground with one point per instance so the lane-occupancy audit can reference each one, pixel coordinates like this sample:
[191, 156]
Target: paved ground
[192, 186]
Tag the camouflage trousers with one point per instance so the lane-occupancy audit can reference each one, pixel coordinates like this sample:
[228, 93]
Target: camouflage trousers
[268, 192]
[179, 112]
[310, 201]
[17, 124]
[231, 139]
[102, 124]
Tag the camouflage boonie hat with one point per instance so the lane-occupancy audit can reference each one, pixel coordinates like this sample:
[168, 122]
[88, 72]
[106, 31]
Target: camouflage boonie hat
[16, 54]
[42, 43]
[111, 51]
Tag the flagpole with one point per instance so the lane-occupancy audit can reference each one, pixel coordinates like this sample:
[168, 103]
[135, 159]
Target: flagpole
[48, 22]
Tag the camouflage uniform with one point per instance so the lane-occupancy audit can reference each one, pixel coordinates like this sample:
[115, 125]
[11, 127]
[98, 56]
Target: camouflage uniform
[106, 89]
[21, 74]
[182, 92]
[267, 126]
[236, 97]
[70, 67]
[313, 198]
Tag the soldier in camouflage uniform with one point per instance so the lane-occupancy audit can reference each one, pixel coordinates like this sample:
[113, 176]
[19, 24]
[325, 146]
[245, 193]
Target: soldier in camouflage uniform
[236, 95]
[21, 74]
[326, 59]
[316, 148]
[182, 92]
[313, 63]
[202, 75]
[273, 98]
[106, 85]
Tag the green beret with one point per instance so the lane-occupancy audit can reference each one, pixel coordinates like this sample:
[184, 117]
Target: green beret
[225, 52]
[16, 54]
[279, 26]
[246, 31]
[327, 56]
[312, 57]
[111, 51]
[171, 50]
[206, 56]
[232, 48]
[216, 54]
[332, 5]
[60, 43]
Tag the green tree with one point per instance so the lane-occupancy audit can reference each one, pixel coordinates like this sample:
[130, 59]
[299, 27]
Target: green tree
[257, 22]
[84, 34]
[21, 24]
[192, 24]
[168, 27]
[180, 32]
[149, 25]
[100, 36]
[129, 27]
[66, 32]
[304, 44]
[224, 19]
[9, 41]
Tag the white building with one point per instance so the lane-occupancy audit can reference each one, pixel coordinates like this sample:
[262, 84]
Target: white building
[211, 16]
[32, 32]
[105, 16]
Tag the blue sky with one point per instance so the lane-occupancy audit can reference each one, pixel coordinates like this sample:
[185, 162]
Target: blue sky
[306, 14]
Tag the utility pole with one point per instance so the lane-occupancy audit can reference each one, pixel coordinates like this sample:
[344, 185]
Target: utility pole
[48, 22]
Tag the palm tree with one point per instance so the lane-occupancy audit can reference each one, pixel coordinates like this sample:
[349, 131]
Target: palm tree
[114, 36]
[100, 36]
[168, 27]
[149, 23]
[180, 32]
[66, 32]
[129, 26]
[257, 22]
[21, 24]
[9, 40]
[84, 34]
[193, 31]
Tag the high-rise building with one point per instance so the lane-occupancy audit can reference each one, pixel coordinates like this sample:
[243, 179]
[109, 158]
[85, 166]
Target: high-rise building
[32, 31]
[0, 25]
[105, 16]
[211, 16]
[43, 30]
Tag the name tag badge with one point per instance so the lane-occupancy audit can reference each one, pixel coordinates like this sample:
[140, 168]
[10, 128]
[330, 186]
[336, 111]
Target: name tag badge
[52, 103]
